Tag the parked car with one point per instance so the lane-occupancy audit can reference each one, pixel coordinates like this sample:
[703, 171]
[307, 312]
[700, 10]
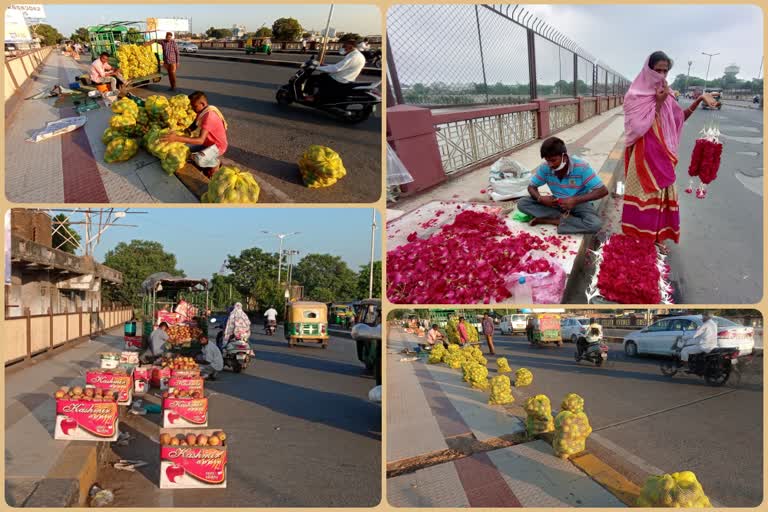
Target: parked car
[511, 324]
[187, 47]
[572, 328]
[659, 337]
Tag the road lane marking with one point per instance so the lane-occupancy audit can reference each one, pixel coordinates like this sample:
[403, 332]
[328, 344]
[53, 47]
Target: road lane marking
[751, 183]
[745, 140]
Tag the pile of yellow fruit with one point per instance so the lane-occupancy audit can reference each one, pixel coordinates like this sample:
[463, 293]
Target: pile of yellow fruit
[503, 365]
[539, 415]
[478, 376]
[452, 331]
[501, 391]
[437, 354]
[571, 427]
[523, 377]
[453, 356]
[121, 149]
[321, 166]
[678, 490]
[173, 155]
[465, 367]
[231, 185]
[136, 61]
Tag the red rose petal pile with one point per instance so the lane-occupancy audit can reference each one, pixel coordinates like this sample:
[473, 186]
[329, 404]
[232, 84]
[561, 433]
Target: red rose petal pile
[705, 160]
[466, 262]
[629, 272]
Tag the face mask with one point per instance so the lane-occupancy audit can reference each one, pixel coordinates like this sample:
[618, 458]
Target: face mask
[342, 51]
[563, 163]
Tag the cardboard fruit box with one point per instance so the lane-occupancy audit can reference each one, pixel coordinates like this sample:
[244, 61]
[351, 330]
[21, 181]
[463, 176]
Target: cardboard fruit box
[185, 373]
[133, 343]
[160, 377]
[141, 377]
[192, 467]
[185, 412]
[185, 383]
[118, 380]
[81, 420]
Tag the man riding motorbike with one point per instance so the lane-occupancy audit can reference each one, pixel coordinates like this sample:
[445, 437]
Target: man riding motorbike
[331, 80]
[704, 339]
[593, 335]
[270, 317]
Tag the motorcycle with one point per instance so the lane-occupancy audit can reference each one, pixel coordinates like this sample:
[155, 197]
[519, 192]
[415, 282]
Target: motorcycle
[356, 105]
[270, 326]
[372, 57]
[590, 348]
[714, 366]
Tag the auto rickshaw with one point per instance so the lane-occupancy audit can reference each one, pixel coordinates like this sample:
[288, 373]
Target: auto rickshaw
[306, 321]
[340, 313]
[544, 329]
[258, 45]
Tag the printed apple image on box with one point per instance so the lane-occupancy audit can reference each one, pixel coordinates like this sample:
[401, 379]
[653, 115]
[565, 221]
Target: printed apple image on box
[201, 464]
[160, 377]
[133, 343]
[81, 420]
[190, 384]
[185, 412]
[117, 380]
[141, 378]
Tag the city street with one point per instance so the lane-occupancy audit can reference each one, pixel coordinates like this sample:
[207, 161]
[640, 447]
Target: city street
[636, 414]
[277, 56]
[303, 434]
[727, 226]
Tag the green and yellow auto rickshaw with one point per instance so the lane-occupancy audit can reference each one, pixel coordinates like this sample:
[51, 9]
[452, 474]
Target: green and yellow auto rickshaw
[306, 321]
[544, 328]
[258, 45]
[340, 314]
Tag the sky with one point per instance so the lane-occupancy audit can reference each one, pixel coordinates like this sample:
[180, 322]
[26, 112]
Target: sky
[621, 36]
[201, 238]
[362, 19]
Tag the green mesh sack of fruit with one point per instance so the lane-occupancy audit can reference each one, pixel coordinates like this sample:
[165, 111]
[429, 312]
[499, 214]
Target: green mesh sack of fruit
[108, 135]
[436, 354]
[538, 415]
[453, 348]
[523, 377]
[452, 331]
[501, 391]
[176, 155]
[120, 149]
[453, 361]
[678, 490]
[503, 365]
[571, 432]
[121, 122]
[158, 108]
[126, 106]
[478, 376]
[466, 365]
[180, 116]
[321, 166]
[572, 402]
[232, 185]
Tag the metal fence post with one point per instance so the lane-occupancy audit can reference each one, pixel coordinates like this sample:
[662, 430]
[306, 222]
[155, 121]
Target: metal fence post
[532, 62]
[575, 75]
[482, 58]
[28, 314]
[392, 72]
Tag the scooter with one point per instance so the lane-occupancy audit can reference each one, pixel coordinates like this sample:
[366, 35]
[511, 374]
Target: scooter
[357, 104]
[270, 326]
[592, 349]
[714, 366]
[237, 354]
[372, 57]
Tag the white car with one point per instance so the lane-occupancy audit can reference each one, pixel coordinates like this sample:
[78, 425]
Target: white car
[572, 328]
[659, 337]
[187, 48]
[511, 324]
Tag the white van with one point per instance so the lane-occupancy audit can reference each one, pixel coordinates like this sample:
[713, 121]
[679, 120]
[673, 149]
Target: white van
[511, 324]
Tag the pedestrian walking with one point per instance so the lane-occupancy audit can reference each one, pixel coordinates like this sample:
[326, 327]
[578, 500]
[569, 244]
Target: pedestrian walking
[653, 126]
[488, 328]
[171, 58]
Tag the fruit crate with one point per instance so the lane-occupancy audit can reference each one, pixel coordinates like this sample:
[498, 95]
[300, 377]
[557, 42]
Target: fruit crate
[191, 466]
[185, 412]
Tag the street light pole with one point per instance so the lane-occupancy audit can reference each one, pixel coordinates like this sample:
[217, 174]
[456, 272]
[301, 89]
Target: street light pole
[281, 236]
[706, 78]
[688, 76]
[373, 246]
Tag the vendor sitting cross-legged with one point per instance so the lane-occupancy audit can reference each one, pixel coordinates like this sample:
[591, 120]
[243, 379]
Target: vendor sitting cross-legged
[574, 185]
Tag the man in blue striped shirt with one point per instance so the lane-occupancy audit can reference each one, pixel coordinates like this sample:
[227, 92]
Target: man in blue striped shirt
[574, 185]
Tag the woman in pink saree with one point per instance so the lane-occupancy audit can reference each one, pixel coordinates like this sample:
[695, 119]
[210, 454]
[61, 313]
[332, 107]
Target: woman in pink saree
[653, 124]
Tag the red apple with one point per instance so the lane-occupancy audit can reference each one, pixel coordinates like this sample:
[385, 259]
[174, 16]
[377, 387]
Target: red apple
[173, 472]
[68, 424]
[172, 417]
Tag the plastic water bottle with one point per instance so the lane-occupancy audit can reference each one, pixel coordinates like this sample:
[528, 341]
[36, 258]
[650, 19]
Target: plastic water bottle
[522, 292]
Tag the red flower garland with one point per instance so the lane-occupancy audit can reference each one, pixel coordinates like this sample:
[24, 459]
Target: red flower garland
[705, 160]
[629, 272]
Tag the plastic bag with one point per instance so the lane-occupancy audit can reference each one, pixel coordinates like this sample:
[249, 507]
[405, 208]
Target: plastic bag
[678, 490]
[523, 377]
[503, 365]
[397, 174]
[501, 391]
[539, 415]
[508, 179]
[571, 432]
[546, 287]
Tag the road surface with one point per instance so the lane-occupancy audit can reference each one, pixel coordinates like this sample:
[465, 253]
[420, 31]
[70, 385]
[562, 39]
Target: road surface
[719, 258]
[674, 424]
[270, 139]
[294, 57]
[303, 434]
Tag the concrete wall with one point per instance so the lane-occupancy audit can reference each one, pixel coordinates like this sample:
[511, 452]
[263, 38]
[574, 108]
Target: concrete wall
[19, 69]
[36, 290]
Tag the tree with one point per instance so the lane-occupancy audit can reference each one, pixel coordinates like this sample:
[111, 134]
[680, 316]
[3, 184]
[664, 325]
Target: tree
[263, 32]
[218, 33]
[352, 36]
[363, 280]
[137, 260]
[80, 35]
[48, 35]
[287, 29]
[65, 238]
[223, 292]
[251, 271]
[325, 276]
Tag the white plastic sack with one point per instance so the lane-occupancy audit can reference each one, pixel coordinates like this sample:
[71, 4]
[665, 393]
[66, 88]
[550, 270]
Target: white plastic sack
[397, 174]
[56, 128]
[508, 179]
[374, 395]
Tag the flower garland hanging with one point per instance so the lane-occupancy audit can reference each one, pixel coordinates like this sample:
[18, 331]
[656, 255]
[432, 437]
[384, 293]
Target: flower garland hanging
[705, 159]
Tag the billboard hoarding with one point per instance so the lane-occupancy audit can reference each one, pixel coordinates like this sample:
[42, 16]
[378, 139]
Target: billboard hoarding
[16, 29]
[168, 25]
[30, 11]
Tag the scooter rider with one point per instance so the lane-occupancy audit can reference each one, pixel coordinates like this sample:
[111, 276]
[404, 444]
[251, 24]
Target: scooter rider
[703, 341]
[331, 80]
[593, 335]
[270, 317]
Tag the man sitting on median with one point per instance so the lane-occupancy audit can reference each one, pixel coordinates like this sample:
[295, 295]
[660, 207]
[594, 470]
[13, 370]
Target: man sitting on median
[574, 185]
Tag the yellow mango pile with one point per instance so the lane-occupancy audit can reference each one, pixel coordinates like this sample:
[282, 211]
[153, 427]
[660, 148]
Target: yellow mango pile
[678, 490]
[136, 61]
[121, 149]
[173, 155]
[181, 115]
[474, 353]
[436, 354]
[523, 377]
[571, 427]
[501, 391]
[503, 365]
[452, 331]
[453, 356]
[232, 185]
[539, 415]
[321, 166]
[465, 367]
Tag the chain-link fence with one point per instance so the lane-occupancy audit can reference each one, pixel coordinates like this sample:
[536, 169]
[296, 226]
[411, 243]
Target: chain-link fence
[447, 54]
